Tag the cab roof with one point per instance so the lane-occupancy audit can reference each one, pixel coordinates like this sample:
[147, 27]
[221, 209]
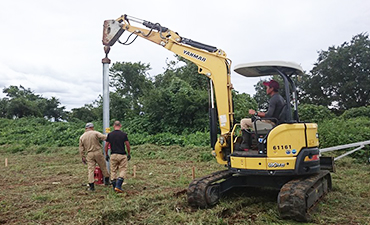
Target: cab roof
[268, 68]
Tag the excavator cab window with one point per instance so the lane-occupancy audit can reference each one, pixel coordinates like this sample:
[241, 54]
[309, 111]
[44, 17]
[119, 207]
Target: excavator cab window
[286, 70]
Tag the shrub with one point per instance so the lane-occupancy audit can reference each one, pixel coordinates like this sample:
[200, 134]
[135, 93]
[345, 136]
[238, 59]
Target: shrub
[206, 156]
[363, 111]
[314, 113]
[340, 131]
[37, 131]
[166, 139]
[16, 148]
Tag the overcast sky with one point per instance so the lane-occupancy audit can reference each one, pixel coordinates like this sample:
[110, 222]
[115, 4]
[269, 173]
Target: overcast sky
[55, 49]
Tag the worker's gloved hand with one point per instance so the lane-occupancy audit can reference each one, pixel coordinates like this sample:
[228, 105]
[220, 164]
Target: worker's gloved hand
[107, 158]
[84, 160]
[128, 157]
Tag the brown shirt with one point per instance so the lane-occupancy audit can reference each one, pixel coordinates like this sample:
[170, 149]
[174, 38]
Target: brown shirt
[89, 142]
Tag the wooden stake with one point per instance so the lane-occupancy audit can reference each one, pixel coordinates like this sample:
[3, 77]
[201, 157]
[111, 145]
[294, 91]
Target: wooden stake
[6, 162]
[134, 171]
[193, 172]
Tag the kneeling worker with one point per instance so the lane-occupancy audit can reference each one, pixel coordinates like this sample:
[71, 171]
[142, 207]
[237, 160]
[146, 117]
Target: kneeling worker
[117, 140]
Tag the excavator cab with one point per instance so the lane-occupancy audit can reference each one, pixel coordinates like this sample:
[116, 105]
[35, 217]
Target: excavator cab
[285, 70]
[262, 126]
[280, 147]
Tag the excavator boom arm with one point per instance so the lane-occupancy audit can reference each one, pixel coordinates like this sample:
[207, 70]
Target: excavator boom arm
[211, 62]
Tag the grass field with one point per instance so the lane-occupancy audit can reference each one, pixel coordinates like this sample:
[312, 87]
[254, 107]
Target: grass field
[50, 188]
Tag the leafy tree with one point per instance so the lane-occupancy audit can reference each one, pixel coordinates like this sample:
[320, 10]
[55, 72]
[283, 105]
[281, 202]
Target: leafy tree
[260, 96]
[182, 94]
[341, 75]
[21, 107]
[22, 102]
[4, 104]
[188, 73]
[86, 113]
[242, 103]
[19, 92]
[131, 82]
[51, 109]
[177, 107]
[179, 100]
[119, 107]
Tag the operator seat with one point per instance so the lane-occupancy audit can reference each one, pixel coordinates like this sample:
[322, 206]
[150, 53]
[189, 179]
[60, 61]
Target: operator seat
[262, 128]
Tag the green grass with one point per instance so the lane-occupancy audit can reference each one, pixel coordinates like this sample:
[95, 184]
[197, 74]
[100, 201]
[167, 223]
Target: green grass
[49, 187]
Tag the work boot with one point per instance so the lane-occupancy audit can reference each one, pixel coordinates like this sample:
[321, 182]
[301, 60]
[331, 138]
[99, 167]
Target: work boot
[114, 183]
[91, 187]
[247, 140]
[118, 187]
[106, 181]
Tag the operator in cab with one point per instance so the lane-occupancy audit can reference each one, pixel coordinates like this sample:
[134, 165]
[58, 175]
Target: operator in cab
[276, 105]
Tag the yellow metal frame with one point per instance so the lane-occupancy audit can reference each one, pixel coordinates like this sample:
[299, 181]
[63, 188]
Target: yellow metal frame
[232, 136]
[214, 65]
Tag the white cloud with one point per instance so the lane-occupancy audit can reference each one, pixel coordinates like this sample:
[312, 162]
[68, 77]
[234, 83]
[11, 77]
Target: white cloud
[54, 47]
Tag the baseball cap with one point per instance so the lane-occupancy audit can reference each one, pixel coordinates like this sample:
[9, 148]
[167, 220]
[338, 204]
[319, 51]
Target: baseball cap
[272, 84]
[89, 125]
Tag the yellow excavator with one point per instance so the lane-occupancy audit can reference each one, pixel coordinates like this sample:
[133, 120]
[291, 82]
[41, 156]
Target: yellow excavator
[285, 157]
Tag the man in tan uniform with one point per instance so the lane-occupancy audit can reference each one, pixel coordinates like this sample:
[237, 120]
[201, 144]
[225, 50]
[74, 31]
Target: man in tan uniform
[90, 145]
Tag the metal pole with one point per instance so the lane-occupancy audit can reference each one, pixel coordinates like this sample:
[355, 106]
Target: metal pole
[106, 128]
[212, 95]
[344, 146]
[340, 147]
[350, 152]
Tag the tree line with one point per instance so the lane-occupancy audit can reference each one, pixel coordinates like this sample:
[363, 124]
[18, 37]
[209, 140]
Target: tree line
[21, 102]
[177, 100]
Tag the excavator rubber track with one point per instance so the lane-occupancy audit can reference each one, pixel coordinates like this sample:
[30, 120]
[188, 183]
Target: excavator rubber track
[298, 197]
[204, 192]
